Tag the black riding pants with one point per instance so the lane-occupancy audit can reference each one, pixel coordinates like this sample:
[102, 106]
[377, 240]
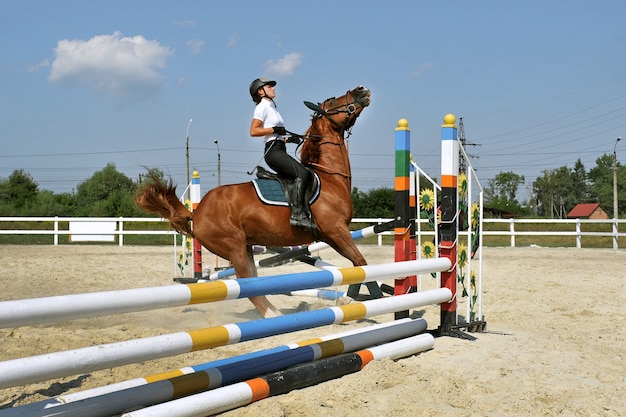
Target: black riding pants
[279, 160]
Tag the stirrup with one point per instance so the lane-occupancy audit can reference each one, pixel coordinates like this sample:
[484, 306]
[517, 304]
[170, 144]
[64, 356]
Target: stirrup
[302, 222]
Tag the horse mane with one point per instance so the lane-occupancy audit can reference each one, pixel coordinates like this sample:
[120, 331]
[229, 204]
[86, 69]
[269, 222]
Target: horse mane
[311, 152]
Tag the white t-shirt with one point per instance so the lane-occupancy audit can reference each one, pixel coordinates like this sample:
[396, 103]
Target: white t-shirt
[266, 112]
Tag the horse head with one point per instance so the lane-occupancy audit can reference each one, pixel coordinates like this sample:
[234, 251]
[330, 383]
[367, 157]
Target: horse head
[342, 111]
[331, 120]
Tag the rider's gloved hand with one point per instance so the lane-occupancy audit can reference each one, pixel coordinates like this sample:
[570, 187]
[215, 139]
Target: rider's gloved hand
[294, 139]
[280, 130]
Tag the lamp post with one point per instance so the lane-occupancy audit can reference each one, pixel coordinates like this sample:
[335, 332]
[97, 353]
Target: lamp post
[219, 164]
[615, 208]
[187, 153]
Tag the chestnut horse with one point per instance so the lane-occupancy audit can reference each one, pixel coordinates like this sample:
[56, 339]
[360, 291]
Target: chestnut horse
[231, 218]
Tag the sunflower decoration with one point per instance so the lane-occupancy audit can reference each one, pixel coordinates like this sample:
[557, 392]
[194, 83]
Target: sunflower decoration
[462, 255]
[473, 281]
[475, 215]
[474, 220]
[427, 199]
[474, 297]
[182, 262]
[427, 205]
[462, 185]
[429, 250]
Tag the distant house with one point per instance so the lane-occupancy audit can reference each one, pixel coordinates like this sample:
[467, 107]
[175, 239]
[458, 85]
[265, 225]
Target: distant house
[588, 211]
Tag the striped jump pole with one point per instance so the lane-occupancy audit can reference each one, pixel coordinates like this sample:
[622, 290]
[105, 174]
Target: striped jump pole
[295, 253]
[17, 313]
[404, 228]
[155, 389]
[196, 197]
[449, 218]
[282, 382]
[71, 362]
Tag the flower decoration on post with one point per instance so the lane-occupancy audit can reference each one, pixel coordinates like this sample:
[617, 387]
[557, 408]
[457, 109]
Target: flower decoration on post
[461, 264]
[427, 205]
[462, 187]
[427, 199]
[185, 255]
[475, 215]
[474, 296]
[429, 250]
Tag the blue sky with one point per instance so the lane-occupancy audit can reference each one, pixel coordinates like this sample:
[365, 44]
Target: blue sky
[538, 84]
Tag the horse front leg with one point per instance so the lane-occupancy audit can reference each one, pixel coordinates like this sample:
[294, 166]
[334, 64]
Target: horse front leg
[248, 269]
[343, 243]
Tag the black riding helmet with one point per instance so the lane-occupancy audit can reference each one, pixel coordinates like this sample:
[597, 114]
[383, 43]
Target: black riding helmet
[258, 83]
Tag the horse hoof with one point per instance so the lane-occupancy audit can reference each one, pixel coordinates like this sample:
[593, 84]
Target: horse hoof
[341, 301]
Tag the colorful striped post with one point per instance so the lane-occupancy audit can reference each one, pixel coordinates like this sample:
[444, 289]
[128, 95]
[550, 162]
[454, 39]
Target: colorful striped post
[71, 362]
[402, 227]
[158, 388]
[196, 196]
[282, 382]
[449, 218]
[413, 208]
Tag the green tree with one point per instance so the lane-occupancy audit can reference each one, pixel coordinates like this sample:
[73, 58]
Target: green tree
[50, 204]
[378, 202]
[501, 191]
[108, 193]
[580, 179]
[557, 191]
[17, 193]
[601, 177]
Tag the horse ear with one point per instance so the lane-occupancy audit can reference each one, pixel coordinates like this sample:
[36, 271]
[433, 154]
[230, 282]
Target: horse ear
[313, 106]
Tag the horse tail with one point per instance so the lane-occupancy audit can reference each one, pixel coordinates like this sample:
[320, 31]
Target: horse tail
[160, 198]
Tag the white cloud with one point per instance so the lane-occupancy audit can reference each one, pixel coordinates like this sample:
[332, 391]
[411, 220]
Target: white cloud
[422, 69]
[34, 68]
[188, 23]
[124, 67]
[234, 40]
[284, 66]
[195, 46]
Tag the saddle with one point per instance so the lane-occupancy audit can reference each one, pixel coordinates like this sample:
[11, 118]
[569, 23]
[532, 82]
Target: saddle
[275, 190]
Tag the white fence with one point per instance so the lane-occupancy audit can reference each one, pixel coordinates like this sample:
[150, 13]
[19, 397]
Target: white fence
[511, 231]
[55, 231]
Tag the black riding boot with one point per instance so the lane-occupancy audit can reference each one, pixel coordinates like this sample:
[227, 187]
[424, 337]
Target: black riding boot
[299, 213]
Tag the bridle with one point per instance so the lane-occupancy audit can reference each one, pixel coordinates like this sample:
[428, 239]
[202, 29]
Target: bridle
[349, 107]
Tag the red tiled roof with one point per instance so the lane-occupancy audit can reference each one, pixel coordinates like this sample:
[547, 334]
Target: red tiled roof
[583, 210]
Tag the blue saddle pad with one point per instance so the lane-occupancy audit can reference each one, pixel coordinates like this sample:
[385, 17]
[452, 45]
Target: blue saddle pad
[270, 191]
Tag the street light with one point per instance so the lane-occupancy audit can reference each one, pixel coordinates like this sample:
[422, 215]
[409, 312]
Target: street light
[219, 164]
[187, 153]
[615, 208]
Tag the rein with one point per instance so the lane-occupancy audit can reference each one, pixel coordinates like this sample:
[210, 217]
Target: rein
[324, 168]
[349, 108]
